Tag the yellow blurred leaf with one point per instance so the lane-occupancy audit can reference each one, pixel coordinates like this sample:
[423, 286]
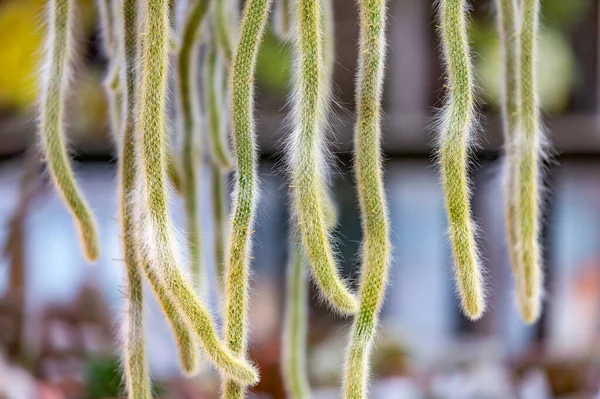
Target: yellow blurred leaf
[21, 38]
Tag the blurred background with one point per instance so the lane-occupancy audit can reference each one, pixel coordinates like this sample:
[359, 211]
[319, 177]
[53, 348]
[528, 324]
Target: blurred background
[59, 316]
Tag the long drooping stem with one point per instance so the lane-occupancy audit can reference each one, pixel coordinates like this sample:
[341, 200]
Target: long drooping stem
[456, 126]
[189, 122]
[126, 15]
[137, 374]
[307, 157]
[55, 82]
[252, 27]
[296, 326]
[529, 147]
[158, 239]
[508, 11]
[507, 27]
[296, 312]
[376, 247]
[221, 158]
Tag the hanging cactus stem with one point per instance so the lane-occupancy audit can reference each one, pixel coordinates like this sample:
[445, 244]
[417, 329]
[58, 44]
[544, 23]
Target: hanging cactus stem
[159, 242]
[308, 157]
[456, 125]
[508, 12]
[376, 246]
[184, 337]
[530, 154]
[189, 121]
[135, 364]
[252, 27]
[55, 82]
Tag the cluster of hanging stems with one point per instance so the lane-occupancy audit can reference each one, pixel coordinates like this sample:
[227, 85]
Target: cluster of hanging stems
[140, 41]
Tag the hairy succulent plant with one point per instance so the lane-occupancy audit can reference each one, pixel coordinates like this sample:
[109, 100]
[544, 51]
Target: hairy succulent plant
[121, 44]
[307, 156]
[456, 127]
[138, 37]
[529, 146]
[508, 22]
[296, 314]
[376, 246]
[54, 84]
[254, 19]
[159, 242]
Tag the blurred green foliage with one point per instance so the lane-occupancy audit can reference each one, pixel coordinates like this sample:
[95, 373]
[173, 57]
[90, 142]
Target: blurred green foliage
[274, 67]
[557, 64]
[105, 380]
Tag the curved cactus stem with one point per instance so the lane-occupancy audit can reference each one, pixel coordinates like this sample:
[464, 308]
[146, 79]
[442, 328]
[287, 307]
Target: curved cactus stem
[236, 282]
[55, 82]
[456, 125]
[124, 47]
[159, 242]
[307, 157]
[376, 246]
[508, 11]
[189, 115]
[530, 154]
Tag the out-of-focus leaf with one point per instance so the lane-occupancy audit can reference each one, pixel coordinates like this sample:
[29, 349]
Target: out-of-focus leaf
[555, 71]
[22, 36]
[274, 67]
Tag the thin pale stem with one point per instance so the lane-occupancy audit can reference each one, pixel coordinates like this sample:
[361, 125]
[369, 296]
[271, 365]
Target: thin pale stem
[214, 109]
[219, 189]
[296, 326]
[189, 110]
[529, 147]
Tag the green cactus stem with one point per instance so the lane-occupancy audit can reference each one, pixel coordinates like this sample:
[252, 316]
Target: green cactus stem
[55, 82]
[189, 109]
[158, 236]
[530, 156]
[308, 157]
[456, 126]
[376, 246]
[236, 283]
